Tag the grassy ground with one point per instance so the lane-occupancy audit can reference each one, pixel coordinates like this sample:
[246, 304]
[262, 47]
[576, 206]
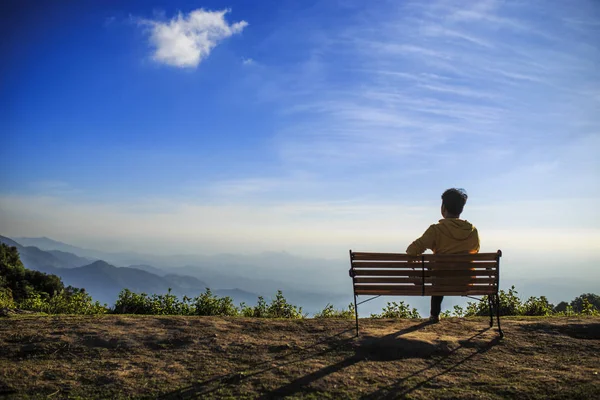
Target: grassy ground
[205, 357]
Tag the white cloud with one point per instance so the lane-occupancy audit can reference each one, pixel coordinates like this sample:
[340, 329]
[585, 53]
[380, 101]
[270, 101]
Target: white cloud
[248, 61]
[187, 39]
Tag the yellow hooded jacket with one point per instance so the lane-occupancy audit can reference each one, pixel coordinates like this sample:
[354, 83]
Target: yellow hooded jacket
[448, 236]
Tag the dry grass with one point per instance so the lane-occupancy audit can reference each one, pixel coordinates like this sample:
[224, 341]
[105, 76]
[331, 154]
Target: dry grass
[205, 357]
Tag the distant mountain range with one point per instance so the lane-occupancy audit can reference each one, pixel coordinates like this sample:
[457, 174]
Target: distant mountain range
[104, 281]
[243, 279]
[265, 272]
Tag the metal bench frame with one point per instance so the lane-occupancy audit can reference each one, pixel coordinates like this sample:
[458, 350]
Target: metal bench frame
[425, 261]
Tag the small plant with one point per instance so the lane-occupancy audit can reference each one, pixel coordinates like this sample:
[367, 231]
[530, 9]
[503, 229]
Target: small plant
[6, 299]
[330, 312]
[588, 308]
[280, 308]
[258, 311]
[538, 306]
[459, 311]
[397, 310]
[209, 304]
[510, 304]
[580, 303]
[132, 303]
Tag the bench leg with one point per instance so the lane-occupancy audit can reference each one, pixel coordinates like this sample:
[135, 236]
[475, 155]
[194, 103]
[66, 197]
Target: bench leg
[498, 316]
[356, 314]
[491, 306]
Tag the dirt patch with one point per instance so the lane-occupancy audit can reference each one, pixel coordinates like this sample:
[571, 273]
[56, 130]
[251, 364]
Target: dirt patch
[205, 357]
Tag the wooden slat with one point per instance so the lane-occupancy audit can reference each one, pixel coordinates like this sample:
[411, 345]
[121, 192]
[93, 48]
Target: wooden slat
[376, 292]
[458, 288]
[471, 292]
[486, 273]
[457, 282]
[385, 264]
[407, 288]
[367, 292]
[378, 279]
[449, 281]
[428, 274]
[384, 257]
[391, 272]
[460, 265]
[460, 257]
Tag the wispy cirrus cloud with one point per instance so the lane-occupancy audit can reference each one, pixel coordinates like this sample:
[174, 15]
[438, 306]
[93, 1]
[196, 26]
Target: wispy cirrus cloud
[187, 39]
[410, 84]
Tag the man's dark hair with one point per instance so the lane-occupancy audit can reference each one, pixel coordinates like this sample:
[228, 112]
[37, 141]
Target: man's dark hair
[454, 200]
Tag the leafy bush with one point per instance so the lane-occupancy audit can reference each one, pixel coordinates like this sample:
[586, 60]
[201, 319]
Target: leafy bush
[68, 301]
[129, 302]
[397, 310]
[6, 299]
[330, 312]
[458, 311]
[537, 306]
[510, 304]
[280, 308]
[586, 302]
[258, 311]
[209, 304]
[587, 308]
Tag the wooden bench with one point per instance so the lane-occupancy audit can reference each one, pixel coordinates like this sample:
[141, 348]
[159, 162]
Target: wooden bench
[396, 274]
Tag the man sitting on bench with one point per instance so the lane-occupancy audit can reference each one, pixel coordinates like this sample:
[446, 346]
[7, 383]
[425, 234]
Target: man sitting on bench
[451, 235]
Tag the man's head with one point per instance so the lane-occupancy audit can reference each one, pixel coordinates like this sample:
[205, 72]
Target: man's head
[453, 202]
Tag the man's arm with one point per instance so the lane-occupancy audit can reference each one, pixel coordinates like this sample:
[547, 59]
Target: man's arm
[476, 233]
[427, 241]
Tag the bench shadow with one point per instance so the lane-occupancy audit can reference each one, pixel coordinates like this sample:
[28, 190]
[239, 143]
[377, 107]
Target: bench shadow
[398, 389]
[203, 388]
[372, 348]
[589, 331]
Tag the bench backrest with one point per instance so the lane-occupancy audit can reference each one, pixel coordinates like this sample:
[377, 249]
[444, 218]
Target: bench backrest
[426, 275]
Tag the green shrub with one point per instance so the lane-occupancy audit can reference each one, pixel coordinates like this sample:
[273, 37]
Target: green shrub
[206, 304]
[169, 304]
[580, 303]
[280, 308]
[157, 304]
[510, 304]
[459, 311]
[538, 306]
[209, 304]
[258, 311]
[68, 301]
[129, 302]
[6, 299]
[330, 312]
[587, 308]
[397, 310]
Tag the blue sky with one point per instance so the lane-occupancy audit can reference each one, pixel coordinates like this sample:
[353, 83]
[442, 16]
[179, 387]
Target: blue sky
[300, 125]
